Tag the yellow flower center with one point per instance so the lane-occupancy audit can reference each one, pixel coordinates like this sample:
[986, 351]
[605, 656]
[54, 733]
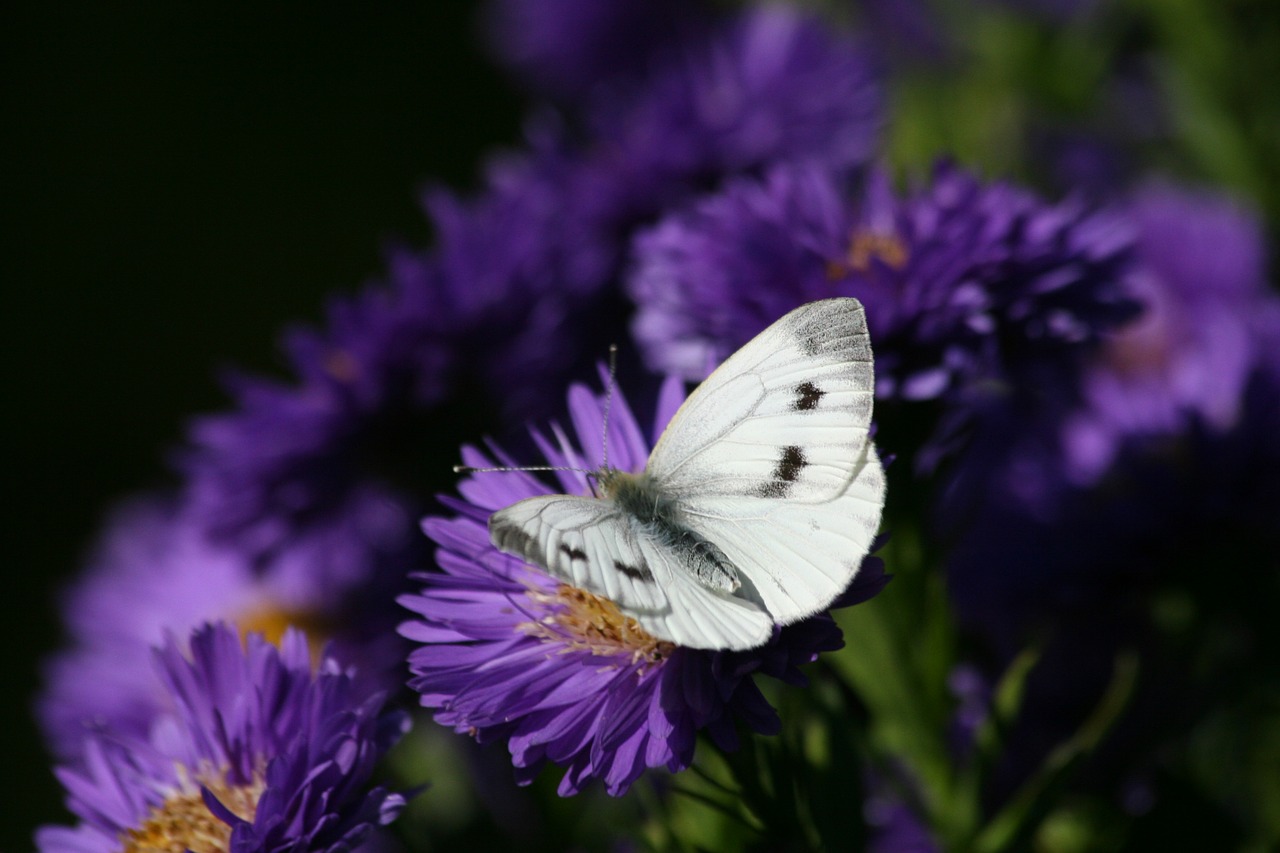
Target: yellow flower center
[586, 622]
[272, 622]
[183, 822]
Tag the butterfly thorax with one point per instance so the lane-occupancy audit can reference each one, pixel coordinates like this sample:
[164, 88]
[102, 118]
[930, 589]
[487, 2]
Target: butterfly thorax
[642, 498]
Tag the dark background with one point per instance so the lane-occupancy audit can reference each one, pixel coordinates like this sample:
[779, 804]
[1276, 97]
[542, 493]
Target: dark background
[181, 180]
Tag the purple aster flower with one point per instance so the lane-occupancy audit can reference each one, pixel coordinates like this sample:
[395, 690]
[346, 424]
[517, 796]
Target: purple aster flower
[155, 572]
[771, 84]
[292, 465]
[509, 654]
[533, 258]
[257, 754]
[962, 281]
[1203, 330]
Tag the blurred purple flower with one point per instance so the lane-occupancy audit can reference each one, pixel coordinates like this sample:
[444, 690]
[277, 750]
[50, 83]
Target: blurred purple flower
[972, 692]
[1202, 332]
[533, 258]
[1173, 443]
[257, 755]
[893, 827]
[509, 654]
[291, 466]
[771, 84]
[155, 572]
[962, 282]
[572, 48]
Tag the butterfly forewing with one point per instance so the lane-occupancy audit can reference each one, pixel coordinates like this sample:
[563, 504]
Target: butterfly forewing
[586, 542]
[785, 417]
[795, 558]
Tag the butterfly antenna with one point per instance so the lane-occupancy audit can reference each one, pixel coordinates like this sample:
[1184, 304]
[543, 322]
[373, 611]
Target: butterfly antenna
[608, 404]
[468, 469]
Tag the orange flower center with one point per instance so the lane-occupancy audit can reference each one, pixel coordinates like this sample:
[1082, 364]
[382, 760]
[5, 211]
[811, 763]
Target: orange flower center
[183, 822]
[271, 623]
[586, 622]
[866, 246]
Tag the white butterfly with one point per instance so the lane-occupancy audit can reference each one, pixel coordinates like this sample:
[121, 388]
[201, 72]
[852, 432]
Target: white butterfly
[756, 506]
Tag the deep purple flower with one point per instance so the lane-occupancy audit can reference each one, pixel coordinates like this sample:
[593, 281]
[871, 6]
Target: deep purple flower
[510, 654]
[1169, 443]
[1203, 330]
[963, 282]
[771, 84]
[570, 48]
[156, 572]
[292, 465]
[532, 260]
[258, 754]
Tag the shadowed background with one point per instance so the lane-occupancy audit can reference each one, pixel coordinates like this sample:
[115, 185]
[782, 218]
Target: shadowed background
[181, 182]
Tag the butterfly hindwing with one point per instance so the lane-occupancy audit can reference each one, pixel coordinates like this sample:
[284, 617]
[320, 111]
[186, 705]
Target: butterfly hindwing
[696, 616]
[592, 545]
[786, 417]
[586, 542]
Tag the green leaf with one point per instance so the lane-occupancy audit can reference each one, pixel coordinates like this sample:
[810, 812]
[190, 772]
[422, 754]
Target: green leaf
[1017, 821]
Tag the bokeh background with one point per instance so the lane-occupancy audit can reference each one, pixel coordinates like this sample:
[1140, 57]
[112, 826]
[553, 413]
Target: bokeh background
[182, 181]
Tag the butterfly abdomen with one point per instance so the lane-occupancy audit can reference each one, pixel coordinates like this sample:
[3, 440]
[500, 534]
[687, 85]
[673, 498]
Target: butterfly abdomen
[642, 499]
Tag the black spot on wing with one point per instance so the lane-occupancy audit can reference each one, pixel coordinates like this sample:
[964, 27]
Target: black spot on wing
[639, 573]
[573, 553]
[807, 397]
[785, 472]
[791, 464]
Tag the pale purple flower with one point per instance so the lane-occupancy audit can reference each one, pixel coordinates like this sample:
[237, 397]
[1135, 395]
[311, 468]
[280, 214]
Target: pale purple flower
[258, 754]
[156, 572]
[1206, 309]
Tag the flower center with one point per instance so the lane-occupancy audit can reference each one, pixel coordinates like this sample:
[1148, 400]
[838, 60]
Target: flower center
[866, 246]
[272, 622]
[1143, 348]
[342, 366]
[183, 822]
[589, 623]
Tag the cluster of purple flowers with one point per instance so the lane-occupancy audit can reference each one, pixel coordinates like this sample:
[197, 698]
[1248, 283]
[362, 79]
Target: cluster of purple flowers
[1073, 381]
[295, 508]
[256, 752]
[964, 283]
